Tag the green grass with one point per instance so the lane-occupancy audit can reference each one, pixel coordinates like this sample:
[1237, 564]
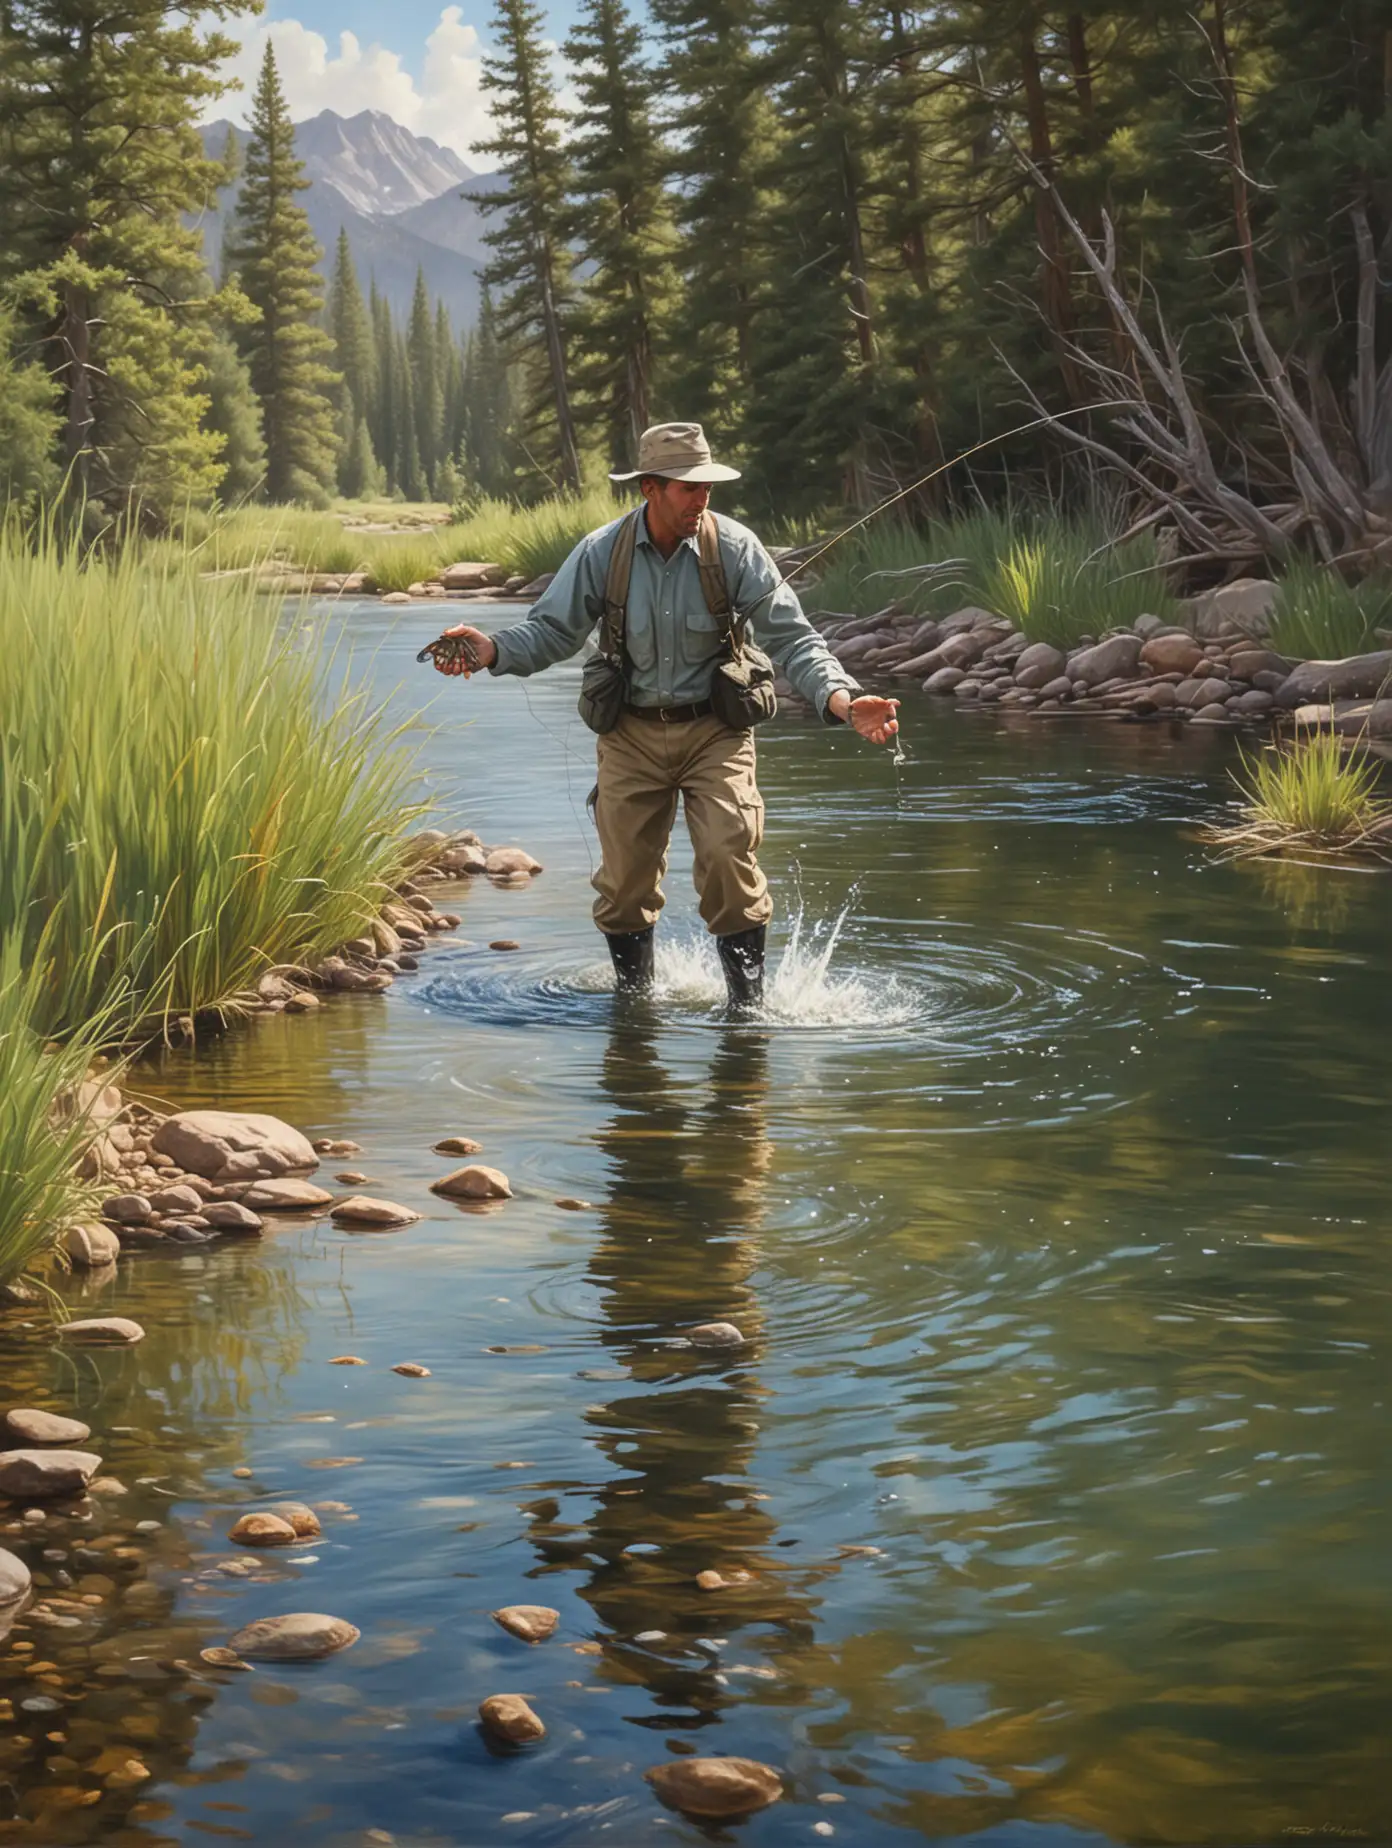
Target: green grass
[39, 1189]
[396, 561]
[531, 540]
[186, 795]
[1313, 794]
[1055, 578]
[1319, 616]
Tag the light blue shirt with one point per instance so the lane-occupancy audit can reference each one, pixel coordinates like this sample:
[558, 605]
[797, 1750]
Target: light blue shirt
[672, 639]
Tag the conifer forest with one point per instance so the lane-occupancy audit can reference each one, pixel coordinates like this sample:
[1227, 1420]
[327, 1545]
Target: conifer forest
[853, 240]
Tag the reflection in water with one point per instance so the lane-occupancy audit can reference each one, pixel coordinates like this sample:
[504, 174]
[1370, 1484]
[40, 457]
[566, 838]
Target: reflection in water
[686, 1177]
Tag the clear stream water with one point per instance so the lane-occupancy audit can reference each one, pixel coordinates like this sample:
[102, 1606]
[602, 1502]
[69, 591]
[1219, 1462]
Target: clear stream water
[1052, 1201]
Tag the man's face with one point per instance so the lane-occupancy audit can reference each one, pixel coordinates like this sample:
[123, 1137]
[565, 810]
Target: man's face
[677, 506]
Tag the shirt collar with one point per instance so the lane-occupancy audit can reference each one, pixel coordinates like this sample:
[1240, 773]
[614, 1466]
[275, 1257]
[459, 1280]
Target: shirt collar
[692, 544]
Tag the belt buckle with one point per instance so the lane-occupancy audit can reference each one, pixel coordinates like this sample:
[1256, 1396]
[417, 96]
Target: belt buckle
[665, 714]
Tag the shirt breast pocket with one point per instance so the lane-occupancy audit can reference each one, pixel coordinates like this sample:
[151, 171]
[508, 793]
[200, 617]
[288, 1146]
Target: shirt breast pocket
[701, 636]
[640, 637]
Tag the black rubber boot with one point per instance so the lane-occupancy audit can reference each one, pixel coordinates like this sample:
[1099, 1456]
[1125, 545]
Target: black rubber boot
[742, 959]
[631, 952]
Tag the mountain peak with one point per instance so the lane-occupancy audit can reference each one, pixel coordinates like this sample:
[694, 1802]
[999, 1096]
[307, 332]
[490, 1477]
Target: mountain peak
[376, 164]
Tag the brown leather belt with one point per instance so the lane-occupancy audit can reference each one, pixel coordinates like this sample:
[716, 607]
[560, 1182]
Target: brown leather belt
[671, 715]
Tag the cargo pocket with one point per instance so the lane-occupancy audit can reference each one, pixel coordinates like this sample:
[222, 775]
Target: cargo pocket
[752, 812]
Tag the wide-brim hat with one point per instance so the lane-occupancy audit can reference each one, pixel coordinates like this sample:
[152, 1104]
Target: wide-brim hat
[677, 452]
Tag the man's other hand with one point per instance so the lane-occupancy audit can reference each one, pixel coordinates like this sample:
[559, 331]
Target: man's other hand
[872, 718]
[484, 647]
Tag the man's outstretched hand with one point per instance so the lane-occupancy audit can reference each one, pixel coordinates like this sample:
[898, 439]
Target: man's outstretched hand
[872, 718]
[484, 648]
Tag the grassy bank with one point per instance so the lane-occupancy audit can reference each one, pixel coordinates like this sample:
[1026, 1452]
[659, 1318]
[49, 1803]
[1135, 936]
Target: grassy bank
[1054, 578]
[187, 796]
[525, 541]
[1315, 795]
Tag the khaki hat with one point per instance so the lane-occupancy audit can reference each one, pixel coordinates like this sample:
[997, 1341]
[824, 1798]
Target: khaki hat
[678, 452]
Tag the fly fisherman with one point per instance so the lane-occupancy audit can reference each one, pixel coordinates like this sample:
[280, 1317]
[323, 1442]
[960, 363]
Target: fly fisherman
[674, 693]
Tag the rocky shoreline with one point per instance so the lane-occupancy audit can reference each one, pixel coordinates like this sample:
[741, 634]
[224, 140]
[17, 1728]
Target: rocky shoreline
[469, 581]
[1217, 668]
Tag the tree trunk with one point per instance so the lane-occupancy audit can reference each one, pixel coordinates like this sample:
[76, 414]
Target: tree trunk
[1055, 294]
[75, 335]
[555, 359]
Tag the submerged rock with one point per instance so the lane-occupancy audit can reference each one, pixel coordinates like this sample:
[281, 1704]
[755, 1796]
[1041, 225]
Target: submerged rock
[507, 1716]
[14, 1577]
[510, 860]
[301, 1636]
[715, 1335]
[262, 1529]
[220, 1657]
[24, 1425]
[473, 1183]
[373, 1215]
[204, 1142]
[336, 1145]
[411, 1370]
[458, 1145]
[90, 1246]
[39, 1475]
[115, 1330]
[532, 1622]
[303, 1520]
[716, 1786]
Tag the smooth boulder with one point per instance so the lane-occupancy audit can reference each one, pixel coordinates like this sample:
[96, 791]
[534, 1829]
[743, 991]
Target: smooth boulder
[39, 1475]
[372, 1215]
[204, 1142]
[301, 1636]
[1038, 664]
[25, 1425]
[285, 1196]
[128, 1209]
[473, 1183]
[90, 1246]
[716, 1786]
[103, 1330]
[262, 1529]
[1172, 654]
[1115, 659]
[231, 1216]
[532, 1622]
[507, 1716]
[14, 1577]
[505, 860]
[304, 1521]
[1358, 677]
[715, 1335]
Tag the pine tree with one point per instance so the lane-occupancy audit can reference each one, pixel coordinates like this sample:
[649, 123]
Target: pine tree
[360, 474]
[426, 396]
[723, 130]
[28, 425]
[233, 411]
[355, 358]
[622, 223]
[487, 449]
[274, 255]
[531, 263]
[101, 158]
[382, 409]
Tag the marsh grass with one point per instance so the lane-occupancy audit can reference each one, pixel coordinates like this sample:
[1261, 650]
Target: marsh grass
[187, 794]
[1319, 616]
[1053, 577]
[531, 540]
[1314, 795]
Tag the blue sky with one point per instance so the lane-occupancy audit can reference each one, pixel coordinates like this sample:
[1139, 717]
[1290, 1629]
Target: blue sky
[416, 60]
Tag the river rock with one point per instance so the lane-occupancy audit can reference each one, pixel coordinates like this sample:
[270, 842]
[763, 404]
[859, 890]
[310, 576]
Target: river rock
[1038, 664]
[14, 1577]
[1252, 705]
[285, 1196]
[302, 1636]
[716, 1786]
[473, 1183]
[510, 860]
[128, 1209]
[335, 1145]
[1247, 663]
[1171, 654]
[473, 574]
[231, 1216]
[377, 1215]
[1246, 604]
[507, 1716]
[1357, 718]
[203, 1141]
[24, 1425]
[104, 1330]
[411, 1370]
[1209, 692]
[90, 1246]
[462, 860]
[944, 680]
[303, 1521]
[1116, 658]
[1357, 677]
[38, 1475]
[1215, 714]
[532, 1622]
[715, 1335]
[263, 1529]
[458, 1145]
[180, 1199]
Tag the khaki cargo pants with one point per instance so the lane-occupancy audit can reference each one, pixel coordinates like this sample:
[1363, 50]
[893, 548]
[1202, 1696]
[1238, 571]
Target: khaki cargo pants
[644, 766]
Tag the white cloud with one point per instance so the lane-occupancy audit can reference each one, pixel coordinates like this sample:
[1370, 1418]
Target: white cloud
[446, 104]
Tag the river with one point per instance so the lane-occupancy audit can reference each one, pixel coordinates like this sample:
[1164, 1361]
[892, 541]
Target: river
[1052, 1208]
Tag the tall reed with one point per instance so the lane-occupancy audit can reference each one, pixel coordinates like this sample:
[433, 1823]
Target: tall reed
[1314, 794]
[187, 794]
